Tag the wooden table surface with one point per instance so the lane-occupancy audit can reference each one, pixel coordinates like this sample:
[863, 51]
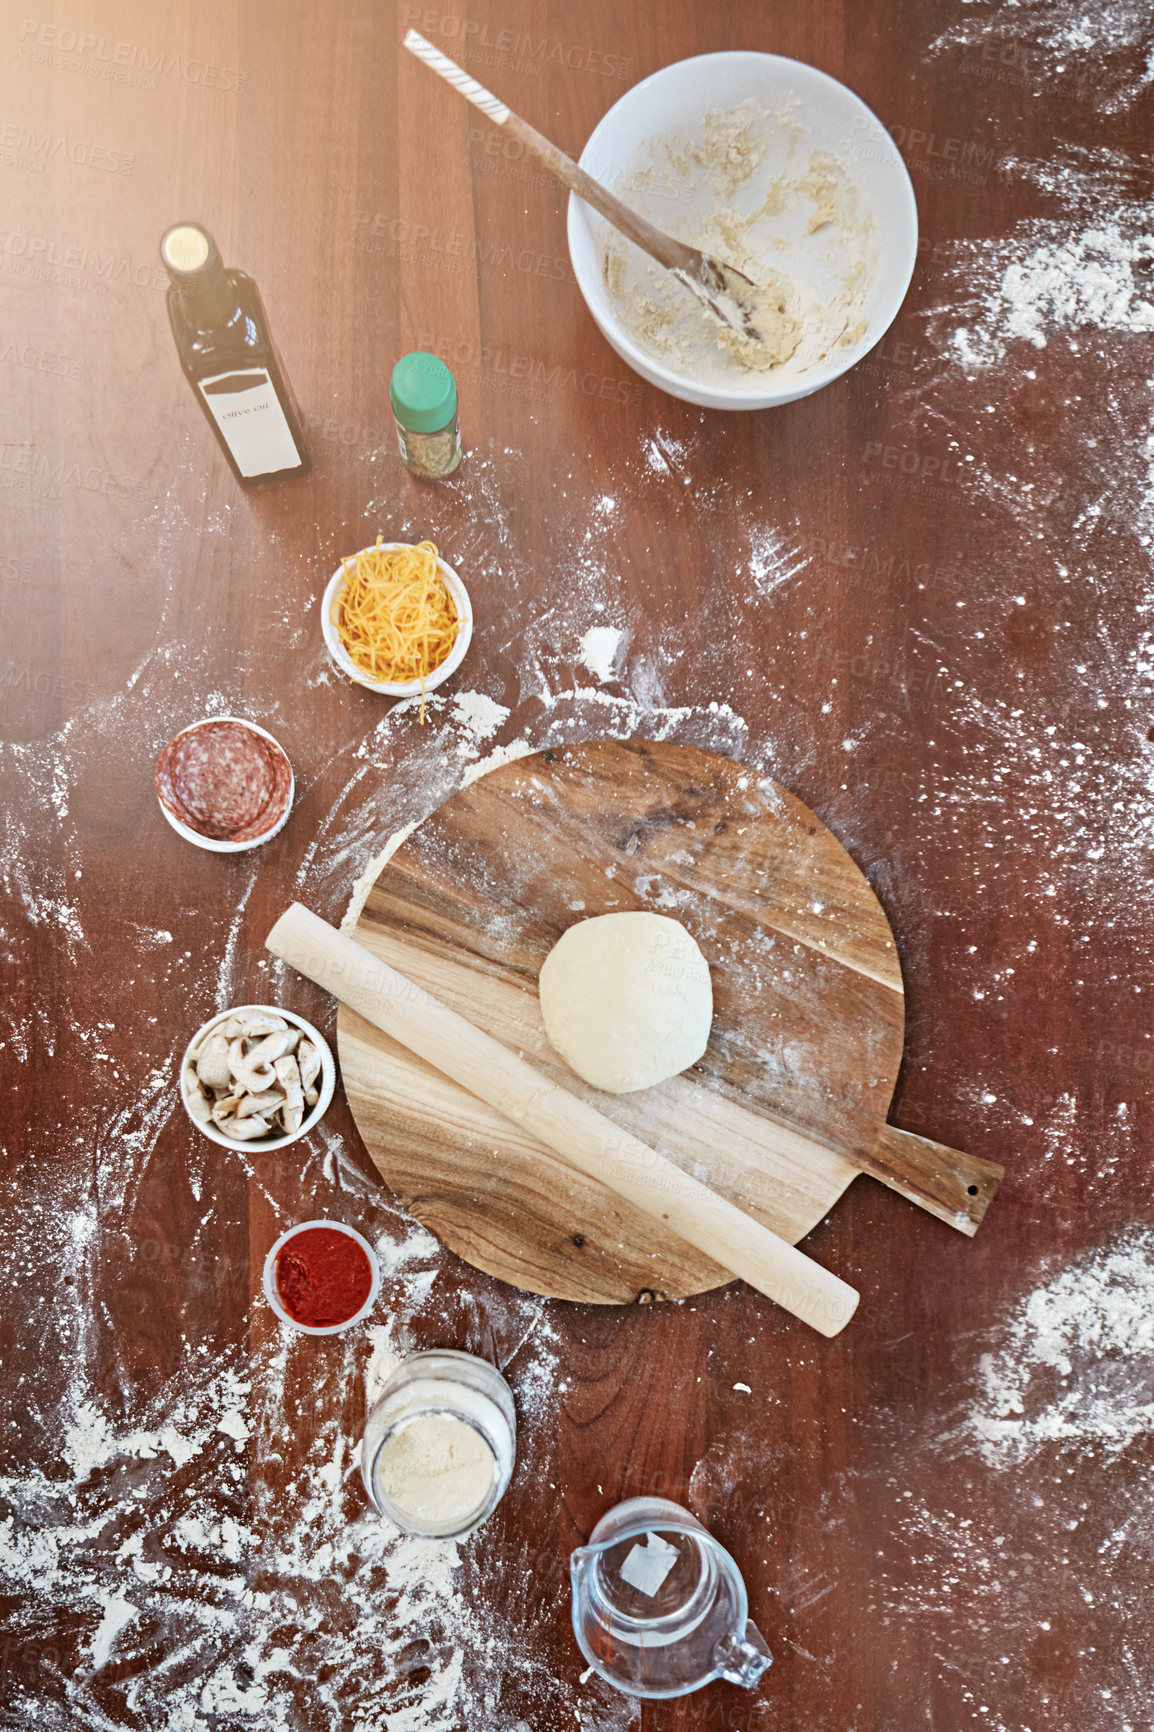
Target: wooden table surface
[920, 599]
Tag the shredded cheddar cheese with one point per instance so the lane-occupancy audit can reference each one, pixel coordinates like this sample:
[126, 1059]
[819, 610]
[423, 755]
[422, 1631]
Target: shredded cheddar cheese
[394, 614]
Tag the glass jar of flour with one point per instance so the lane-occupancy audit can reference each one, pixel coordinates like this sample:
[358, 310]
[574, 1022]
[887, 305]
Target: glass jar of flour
[439, 1445]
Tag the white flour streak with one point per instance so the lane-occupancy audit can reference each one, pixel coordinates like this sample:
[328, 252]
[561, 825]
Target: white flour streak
[228, 987]
[1104, 48]
[601, 648]
[1045, 278]
[665, 455]
[479, 717]
[1085, 272]
[118, 1614]
[584, 713]
[125, 1142]
[1077, 1367]
[773, 562]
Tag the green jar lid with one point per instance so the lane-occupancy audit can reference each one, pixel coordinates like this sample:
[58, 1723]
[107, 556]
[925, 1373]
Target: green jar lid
[423, 392]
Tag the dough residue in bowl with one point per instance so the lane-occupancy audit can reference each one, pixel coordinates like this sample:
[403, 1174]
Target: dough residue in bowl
[750, 188]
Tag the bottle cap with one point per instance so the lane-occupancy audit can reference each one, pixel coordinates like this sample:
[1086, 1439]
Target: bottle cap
[423, 393]
[186, 250]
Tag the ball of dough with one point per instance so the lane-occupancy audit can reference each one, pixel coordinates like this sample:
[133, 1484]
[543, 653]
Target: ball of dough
[627, 1000]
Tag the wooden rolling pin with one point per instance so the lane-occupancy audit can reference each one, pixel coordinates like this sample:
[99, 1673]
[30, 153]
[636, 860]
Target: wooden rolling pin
[581, 1135]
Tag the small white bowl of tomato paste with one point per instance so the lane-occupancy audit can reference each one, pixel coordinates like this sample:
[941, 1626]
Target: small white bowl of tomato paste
[321, 1277]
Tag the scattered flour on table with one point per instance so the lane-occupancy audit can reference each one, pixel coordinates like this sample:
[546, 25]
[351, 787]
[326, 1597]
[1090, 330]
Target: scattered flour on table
[1078, 1364]
[1079, 280]
[479, 716]
[142, 1542]
[1053, 1562]
[1047, 277]
[600, 648]
[1049, 324]
[665, 455]
[118, 1614]
[775, 562]
[1105, 49]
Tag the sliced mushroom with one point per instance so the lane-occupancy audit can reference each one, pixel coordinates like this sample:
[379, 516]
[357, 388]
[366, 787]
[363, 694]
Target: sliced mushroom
[309, 1061]
[212, 1062]
[267, 1103]
[244, 1130]
[225, 1106]
[289, 1077]
[259, 1056]
[253, 1023]
[252, 1075]
[198, 1104]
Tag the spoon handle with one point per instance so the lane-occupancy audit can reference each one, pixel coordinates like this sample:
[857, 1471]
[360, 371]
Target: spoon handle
[453, 74]
[674, 255]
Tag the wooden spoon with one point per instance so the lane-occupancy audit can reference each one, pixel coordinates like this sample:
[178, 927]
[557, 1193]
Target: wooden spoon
[728, 293]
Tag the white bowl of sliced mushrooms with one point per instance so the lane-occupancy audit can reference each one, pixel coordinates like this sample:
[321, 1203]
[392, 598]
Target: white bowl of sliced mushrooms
[256, 1076]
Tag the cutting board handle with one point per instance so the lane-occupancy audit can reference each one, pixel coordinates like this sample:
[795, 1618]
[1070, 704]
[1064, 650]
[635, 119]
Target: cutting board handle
[955, 1187]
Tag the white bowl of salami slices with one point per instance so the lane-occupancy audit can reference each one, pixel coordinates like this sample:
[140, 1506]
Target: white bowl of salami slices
[225, 784]
[257, 1077]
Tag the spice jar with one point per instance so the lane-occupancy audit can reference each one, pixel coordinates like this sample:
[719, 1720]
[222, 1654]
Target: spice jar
[423, 393]
[439, 1445]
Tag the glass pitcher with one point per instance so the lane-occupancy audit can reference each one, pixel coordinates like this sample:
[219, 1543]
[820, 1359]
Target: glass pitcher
[659, 1608]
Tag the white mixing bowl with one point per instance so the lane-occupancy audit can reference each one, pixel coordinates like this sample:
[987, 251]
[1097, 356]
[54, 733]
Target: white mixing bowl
[674, 101]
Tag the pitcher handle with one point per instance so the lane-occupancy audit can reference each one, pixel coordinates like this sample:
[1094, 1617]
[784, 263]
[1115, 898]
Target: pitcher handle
[743, 1659]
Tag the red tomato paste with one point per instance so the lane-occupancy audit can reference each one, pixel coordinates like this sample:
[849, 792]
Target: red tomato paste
[322, 1277]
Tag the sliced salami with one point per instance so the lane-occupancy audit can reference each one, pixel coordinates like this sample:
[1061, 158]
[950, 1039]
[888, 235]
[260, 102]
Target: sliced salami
[224, 780]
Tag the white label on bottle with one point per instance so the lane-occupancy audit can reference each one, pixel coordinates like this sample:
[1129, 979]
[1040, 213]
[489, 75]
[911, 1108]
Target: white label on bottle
[247, 410]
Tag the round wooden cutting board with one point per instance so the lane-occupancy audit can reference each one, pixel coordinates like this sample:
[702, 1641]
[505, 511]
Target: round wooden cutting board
[808, 1022]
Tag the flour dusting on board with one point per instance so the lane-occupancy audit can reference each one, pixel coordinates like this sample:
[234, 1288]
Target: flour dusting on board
[579, 713]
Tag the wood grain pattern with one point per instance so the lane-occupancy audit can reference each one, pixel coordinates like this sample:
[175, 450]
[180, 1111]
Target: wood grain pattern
[783, 566]
[808, 1023]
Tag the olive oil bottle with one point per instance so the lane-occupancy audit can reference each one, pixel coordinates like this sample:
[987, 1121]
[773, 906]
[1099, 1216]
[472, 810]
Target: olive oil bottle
[230, 360]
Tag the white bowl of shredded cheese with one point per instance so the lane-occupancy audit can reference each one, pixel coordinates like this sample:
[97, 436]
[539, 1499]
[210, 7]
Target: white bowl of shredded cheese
[771, 166]
[443, 670]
